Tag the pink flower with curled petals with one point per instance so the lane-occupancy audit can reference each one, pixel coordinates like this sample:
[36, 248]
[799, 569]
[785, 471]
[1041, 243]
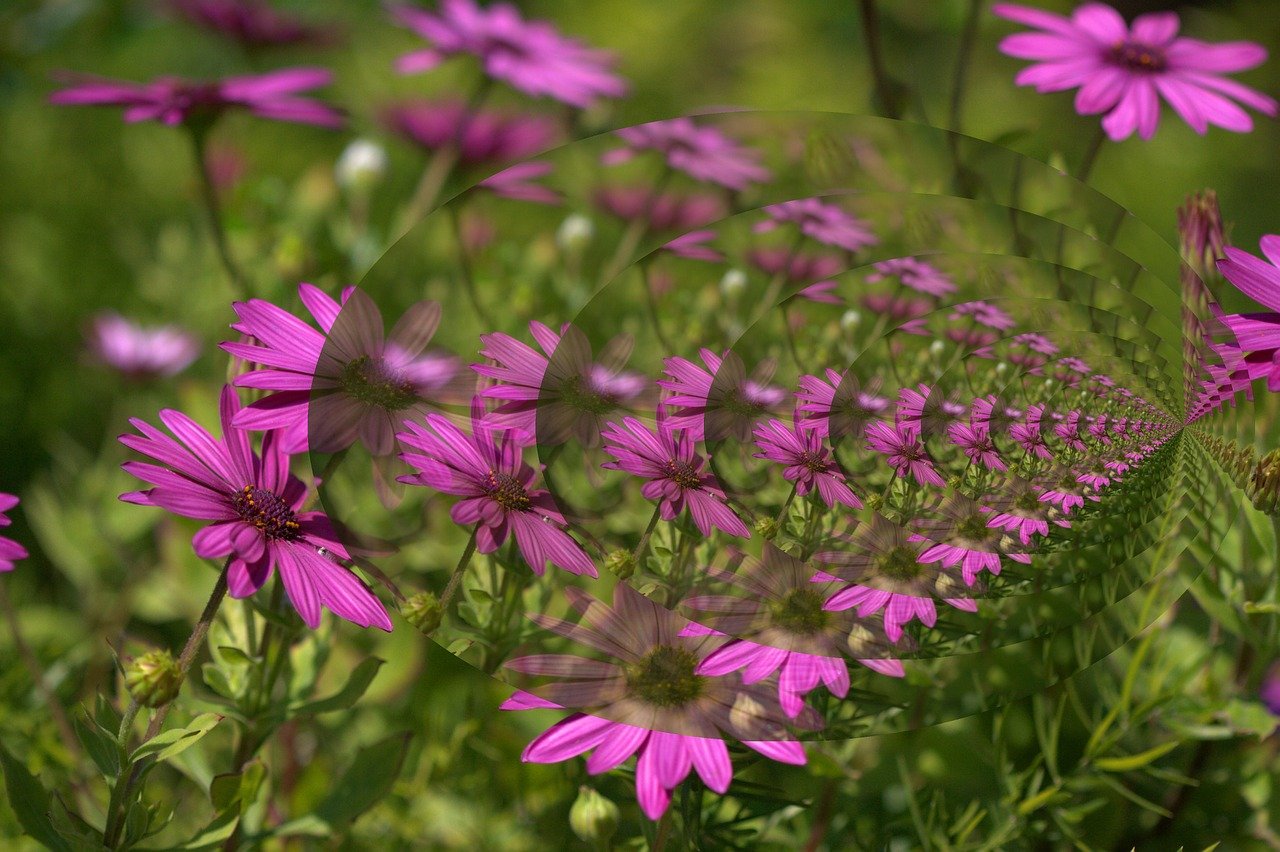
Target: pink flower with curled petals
[1124, 71]
[720, 400]
[675, 472]
[174, 101]
[822, 221]
[915, 275]
[530, 56]
[648, 699]
[10, 550]
[838, 405]
[252, 23]
[253, 504]
[978, 445]
[487, 470]
[809, 464]
[478, 137]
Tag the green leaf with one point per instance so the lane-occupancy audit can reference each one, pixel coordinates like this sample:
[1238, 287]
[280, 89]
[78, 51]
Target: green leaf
[366, 781]
[237, 788]
[1039, 800]
[169, 743]
[212, 835]
[31, 803]
[100, 745]
[216, 679]
[1250, 717]
[1135, 761]
[233, 656]
[361, 676]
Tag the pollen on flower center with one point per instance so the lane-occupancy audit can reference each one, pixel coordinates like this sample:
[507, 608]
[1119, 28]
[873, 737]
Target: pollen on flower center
[665, 677]
[800, 612]
[1136, 56]
[265, 510]
[508, 492]
[815, 462]
[684, 474]
[900, 563]
[372, 381]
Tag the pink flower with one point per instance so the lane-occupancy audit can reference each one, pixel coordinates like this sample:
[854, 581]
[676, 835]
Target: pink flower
[478, 137]
[488, 471]
[961, 536]
[648, 699]
[1018, 507]
[693, 246]
[1029, 434]
[1123, 71]
[253, 503]
[837, 406]
[1069, 432]
[984, 313]
[809, 463]
[517, 183]
[530, 56]
[10, 550]
[719, 401]
[675, 473]
[906, 454]
[252, 23]
[175, 101]
[703, 153]
[666, 211]
[141, 352]
[915, 275]
[1257, 335]
[978, 445]
[822, 221]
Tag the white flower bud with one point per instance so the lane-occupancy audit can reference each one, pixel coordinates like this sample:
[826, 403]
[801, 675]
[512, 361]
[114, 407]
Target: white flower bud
[361, 165]
[575, 232]
[850, 320]
[733, 283]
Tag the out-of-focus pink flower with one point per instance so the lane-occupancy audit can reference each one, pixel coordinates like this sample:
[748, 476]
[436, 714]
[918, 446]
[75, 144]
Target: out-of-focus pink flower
[10, 550]
[252, 23]
[141, 352]
[822, 221]
[703, 153]
[480, 137]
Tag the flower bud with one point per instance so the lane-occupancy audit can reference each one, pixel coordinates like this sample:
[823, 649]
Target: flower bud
[732, 283]
[621, 563]
[361, 166]
[850, 320]
[153, 680]
[936, 348]
[767, 528]
[575, 232]
[423, 611]
[593, 817]
[1264, 484]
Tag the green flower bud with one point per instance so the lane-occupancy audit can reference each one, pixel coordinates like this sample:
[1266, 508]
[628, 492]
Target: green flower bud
[153, 679]
[621, 563]
[1264, 484]
[423, 611]
[593, 817]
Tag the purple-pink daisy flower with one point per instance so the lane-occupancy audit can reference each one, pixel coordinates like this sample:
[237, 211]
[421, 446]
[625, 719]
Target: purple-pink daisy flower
[175, 101]
[479, 137]
[904, 450]
[809, 463]
[1257, 335]
[961, 536]
[488, 471]
[720, 401]
[977, 443]
[703, 153]
[822, 221]
[10, 550]
[838, 405]
[915, 275]
[530, 56]
[252, 23]
[254, 504]
[141, 352]
[676, 473]
[1124, 71]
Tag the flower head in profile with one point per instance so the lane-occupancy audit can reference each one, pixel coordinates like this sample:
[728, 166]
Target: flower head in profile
[720, 401]
[822, 221]
[809, 463]
[253, 505]
[560, 394]
[660, 211]
[1029, 434]
[488, 471]
[140, 352]
[10, 550]
[1068, 432]
[1124, 71]
[648, 698]
[1256, 335]
[914, 275]
[676, 473]
[703, 153]
[344, 382]
[530, 56]
[960, 536]
[838, 405]
[251, 23]
[778, 623]
[881, 565]
[479, 137]
[904, 450]
[518, 183]
[173, 101]
[1017, 507]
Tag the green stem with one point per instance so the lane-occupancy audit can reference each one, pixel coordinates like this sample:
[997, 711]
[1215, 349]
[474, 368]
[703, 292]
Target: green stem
[648, 533]
[209, 195]
[885, 90]
[967, 37]
[451, 589]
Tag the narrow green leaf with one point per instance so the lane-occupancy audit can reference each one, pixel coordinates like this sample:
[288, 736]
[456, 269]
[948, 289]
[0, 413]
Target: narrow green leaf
[1039, 800]
[100, 745]
[31, 803]
[1135, 761]
[169, 743]
[233, 656]
[361, 676]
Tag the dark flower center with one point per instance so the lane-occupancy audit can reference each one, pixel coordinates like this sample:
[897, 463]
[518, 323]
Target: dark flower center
[1136, 56]
[900, 563]
[371, 381]
[738, 402]
[973, 528]
[578, 394]
[507, 491]
[815, 462]
[684, 474]
[1028, 501]
[800, 612]
[665, 677]
[265, 510]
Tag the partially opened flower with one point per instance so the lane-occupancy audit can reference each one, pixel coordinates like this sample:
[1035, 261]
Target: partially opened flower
[926, 412]
[882, 565]
[1069, 432]
[778, 623]
[1256, 335]
[1029, 434]
[564, 393]
[1016, 506]
[530, 56]
[1065, 490]
[809, 463]
[174, 101]
[345, 382]
[648, 699]
[1124, 71]
[253, 504]
[487, 469]
[518, 183]
[675, 472]
[703, 153]
[822, 221]
[984, 314]
[141, 352]
[839, 405]
[720, 401]
[905, 452]
[10, 550]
